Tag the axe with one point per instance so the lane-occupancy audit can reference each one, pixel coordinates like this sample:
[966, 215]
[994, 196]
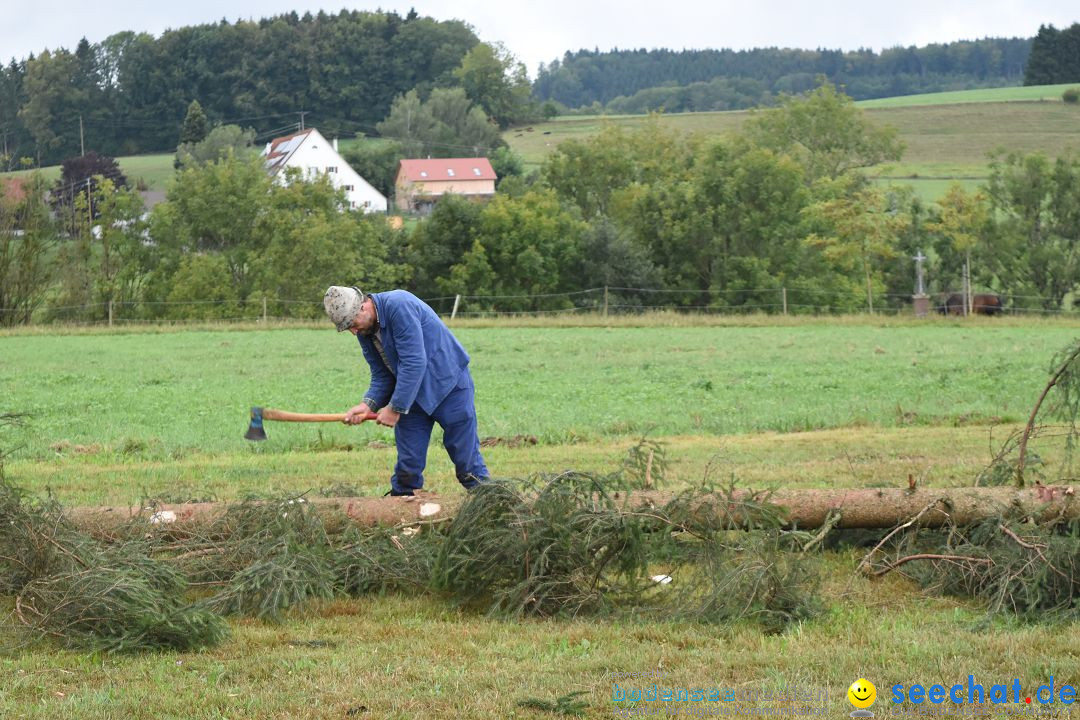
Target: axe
[255, 429]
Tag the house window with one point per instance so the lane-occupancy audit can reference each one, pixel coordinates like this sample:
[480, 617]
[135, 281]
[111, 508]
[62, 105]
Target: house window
[331, 169]
[450, 172]
[476, 172]
[367, 203]
[423, 173]
[350, 188]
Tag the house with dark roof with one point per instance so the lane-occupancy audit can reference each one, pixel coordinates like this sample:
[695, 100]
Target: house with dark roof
[420, 183]
[309, 151]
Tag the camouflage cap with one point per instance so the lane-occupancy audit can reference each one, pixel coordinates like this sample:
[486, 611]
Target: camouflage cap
[342, 304]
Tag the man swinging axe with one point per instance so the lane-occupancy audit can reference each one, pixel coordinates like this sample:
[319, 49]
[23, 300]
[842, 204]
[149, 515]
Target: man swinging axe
[419, 376]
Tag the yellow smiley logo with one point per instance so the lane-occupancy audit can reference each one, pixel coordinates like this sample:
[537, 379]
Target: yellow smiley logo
[862, 693]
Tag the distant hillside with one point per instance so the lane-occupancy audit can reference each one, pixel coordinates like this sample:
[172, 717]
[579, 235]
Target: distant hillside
[947, 135]
[947, 138]
[700, 80]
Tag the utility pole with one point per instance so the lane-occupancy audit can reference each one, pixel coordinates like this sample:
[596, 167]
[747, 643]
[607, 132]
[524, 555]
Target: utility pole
[82, 146]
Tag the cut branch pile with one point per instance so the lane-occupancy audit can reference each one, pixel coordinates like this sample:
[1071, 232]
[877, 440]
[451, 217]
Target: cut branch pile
[549, 546]
[1013, 564]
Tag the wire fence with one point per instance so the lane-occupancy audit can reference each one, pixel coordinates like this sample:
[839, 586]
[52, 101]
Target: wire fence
[604, 301]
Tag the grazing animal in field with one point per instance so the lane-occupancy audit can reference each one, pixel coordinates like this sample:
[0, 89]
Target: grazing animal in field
[981, 304]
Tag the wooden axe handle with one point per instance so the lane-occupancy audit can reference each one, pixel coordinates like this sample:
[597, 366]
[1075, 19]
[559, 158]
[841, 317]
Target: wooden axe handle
[272, 414]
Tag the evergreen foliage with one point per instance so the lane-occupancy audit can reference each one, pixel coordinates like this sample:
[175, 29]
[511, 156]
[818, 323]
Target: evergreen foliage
[724, 79]
[1055, 56]
[195, 127]
[133, 89]
[549, 546]
[1013, 565]
[569, 704]
[89, 595]
[562, 545]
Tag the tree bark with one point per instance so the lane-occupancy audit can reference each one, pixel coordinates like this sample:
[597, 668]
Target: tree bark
[803, 508]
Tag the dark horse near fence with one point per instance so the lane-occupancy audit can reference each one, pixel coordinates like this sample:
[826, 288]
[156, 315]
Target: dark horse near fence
[982, 304]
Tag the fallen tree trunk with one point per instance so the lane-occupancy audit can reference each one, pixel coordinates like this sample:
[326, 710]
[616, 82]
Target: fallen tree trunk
[803, 508]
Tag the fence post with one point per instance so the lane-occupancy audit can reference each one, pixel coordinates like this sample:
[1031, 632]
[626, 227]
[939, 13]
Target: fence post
[783, 298]
[605, 301]
[110, 313]
[457, 300]
[264, 309]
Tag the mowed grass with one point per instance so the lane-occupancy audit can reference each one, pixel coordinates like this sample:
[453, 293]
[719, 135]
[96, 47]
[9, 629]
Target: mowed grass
[763, 402]
[401, 657]
[1019, 93]
[171, 395]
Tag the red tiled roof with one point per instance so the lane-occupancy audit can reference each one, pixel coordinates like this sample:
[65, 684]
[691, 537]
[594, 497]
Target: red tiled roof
[446, 169]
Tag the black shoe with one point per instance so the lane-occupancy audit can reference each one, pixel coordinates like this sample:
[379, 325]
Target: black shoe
[395, 493]
[471, 482]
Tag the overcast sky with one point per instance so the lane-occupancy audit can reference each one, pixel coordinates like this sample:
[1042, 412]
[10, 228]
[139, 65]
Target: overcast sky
[542, 30]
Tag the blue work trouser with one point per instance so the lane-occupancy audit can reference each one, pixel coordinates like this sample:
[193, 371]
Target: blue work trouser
[456, 414]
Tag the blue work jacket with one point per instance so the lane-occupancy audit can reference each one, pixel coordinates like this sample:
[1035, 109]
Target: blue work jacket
[423, 360]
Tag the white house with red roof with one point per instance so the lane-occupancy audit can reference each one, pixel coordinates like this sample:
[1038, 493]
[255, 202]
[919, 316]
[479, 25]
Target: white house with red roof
[420, 183]
[309, 152]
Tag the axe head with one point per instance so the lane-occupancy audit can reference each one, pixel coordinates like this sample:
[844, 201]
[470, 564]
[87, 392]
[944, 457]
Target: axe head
[255, 429]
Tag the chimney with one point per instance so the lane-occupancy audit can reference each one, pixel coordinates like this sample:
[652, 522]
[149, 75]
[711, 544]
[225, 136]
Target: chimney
[335, 144]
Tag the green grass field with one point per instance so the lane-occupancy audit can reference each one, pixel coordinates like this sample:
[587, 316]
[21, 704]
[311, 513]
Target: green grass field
[154, 170]
[1006, 94]
[160, 396]
[852, 403]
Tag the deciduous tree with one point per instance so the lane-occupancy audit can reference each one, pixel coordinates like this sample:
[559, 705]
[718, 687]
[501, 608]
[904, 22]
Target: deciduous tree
[218, 143]
[826, 131]
[498, 82]
[28, 237]
[857, 231]
[448, 124]
[1038, 203]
